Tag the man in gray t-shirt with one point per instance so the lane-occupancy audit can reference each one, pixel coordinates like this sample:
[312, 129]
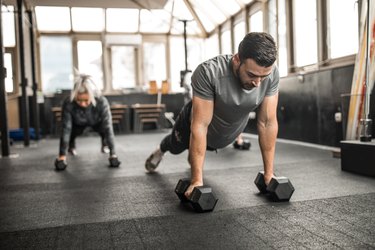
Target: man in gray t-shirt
[225, 90]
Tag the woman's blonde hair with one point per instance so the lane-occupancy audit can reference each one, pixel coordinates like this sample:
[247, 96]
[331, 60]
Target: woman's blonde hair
[84, 84]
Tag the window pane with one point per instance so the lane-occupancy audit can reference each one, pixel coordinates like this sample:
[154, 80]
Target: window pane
[59, 22]
[195, 48]
[239, 34]
[179, 9]
[342, 25]
[256, 22]
[210, 10]
[122, 20]
[9, 38]
[230, 7]
[154, 62]
[177, 59]
[90, 60]
[272, 18]
[155, 21]
[123, 67]
[208, 24]
[283, 55]
[56, 63]
[88, 19]
[226, 47]
[305, 32]
[9, 87]
[211, 47]
[195, 52]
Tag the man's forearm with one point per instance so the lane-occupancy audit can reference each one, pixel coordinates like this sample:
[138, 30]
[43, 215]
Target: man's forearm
[197, 152]
[267, 140]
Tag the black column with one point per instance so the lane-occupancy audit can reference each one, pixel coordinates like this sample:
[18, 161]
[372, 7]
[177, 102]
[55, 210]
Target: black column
[35, 107]
[3, 97]
[24, 98]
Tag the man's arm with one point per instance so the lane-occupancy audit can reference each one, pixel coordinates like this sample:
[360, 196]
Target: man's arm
[202, 112]
[267, 129]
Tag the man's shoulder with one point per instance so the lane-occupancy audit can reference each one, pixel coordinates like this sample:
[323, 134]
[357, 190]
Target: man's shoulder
[216, 67]
[218, 61]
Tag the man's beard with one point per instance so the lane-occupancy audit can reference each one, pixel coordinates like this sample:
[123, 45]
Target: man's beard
[245, 86]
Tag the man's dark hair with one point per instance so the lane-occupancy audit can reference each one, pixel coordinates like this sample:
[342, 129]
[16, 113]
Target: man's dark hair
[260, 47]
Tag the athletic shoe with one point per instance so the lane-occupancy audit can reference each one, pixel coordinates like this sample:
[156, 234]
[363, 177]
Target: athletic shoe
[72, 151]
[153, 160]
[244, 146]
[105, 149]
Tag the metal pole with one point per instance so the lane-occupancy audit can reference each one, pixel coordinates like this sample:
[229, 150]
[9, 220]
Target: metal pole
[24, 97]
[367, 98]
[3, 97]
[185, 45]
[34, 83]
[366, 123]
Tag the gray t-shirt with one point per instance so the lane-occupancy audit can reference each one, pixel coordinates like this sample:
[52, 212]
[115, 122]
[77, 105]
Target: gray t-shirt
[215, 80]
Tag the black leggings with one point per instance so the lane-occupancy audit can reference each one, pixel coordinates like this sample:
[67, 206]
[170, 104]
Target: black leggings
[179, 140]
[102, 131]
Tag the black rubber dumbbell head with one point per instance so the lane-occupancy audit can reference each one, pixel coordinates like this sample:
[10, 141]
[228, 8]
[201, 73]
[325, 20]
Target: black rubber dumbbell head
[259, 182]
[114, 162]
[244, 146]
[202, 199]
[181, 188]
[60, 165]
[280, 189]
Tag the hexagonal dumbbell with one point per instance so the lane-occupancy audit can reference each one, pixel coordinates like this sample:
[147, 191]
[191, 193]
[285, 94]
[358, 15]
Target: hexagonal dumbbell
[114, 162]
[280, 188]
[202, 199]
[60, 165]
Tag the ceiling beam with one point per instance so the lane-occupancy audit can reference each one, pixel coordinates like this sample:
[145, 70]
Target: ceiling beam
[197, 19]
[137, 4]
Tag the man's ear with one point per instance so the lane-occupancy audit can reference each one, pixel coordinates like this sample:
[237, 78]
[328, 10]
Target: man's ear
[236, 59]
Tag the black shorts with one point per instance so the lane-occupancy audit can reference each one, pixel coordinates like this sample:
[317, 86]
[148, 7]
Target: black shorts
[179, 139]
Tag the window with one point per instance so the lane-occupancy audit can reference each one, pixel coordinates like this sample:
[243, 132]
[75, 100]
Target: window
[211, 47]
[195, 52]
[239, 34]
[56, 63]
[155, 21]
[90, 60]
[282, 40]
[123, 67]
[305, 32]
[272, 18]
[209, 9]
[122, 20]
[256, 22]
[88, 19]
[207, 22]
[59, 22]
[177, 59]
[226, 45]
[277, 27]
[342, 25]
[229, 7]
[9, 37]
[154, 62]
[9, 84]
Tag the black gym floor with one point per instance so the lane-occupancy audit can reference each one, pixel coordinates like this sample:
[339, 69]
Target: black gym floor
[92, 206]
